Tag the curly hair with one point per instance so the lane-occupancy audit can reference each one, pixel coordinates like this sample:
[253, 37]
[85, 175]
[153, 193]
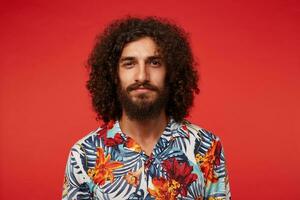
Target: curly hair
[176, 52]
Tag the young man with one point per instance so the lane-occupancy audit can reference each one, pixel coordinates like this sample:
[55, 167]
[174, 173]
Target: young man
[142, 83]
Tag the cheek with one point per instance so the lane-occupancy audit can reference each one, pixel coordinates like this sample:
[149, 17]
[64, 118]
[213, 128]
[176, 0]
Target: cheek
[160, 78]
[126, 75]
[125, 79]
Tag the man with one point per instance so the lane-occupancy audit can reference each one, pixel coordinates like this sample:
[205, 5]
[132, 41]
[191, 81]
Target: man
[142, 83]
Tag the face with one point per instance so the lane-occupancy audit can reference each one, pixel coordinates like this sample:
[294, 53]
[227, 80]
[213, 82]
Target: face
[142, 74]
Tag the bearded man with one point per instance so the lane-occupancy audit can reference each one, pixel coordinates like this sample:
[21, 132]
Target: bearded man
[142, 82]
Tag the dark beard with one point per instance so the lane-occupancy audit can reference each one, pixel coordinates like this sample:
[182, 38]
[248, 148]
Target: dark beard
[143, 109]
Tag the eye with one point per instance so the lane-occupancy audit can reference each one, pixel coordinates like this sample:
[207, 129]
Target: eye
[128, 64]
[155, 63]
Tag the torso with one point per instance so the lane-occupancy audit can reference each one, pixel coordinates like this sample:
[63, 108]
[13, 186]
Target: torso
[113, 166]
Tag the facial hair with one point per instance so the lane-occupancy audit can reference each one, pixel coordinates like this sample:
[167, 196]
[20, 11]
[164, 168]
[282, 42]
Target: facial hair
[143, 109]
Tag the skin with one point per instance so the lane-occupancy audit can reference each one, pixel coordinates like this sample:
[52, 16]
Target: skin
[141, 62]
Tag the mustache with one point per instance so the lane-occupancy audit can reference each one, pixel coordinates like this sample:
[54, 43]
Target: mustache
[138, 85]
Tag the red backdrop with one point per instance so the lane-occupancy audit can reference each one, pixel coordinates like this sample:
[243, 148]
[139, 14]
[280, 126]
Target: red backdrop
[249, 62]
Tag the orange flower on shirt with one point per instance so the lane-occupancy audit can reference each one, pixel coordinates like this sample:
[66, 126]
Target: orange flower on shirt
[209, 160]
[103, 171]
[131, 144]
[133, 178]
[164, 189]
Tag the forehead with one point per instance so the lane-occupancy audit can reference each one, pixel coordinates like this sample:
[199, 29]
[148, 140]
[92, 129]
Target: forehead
[142, 47]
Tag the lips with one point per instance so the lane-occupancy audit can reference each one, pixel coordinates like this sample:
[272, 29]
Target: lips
[142, 90]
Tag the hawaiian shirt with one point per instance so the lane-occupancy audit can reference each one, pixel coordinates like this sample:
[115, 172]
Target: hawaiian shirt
[186, 163]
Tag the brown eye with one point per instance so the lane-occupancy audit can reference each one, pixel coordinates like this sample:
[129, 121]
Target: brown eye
[155, 63]
[128, 64]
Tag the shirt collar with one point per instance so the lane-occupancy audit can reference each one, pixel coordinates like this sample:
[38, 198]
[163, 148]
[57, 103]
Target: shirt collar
[172, 130]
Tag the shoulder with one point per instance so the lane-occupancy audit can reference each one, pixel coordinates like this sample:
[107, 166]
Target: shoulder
[205, 142]
[209, 156]
[83, 153]
[91, 139]
[200, 133]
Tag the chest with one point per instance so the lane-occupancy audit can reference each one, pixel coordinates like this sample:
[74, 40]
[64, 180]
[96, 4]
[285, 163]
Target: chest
[171, 172]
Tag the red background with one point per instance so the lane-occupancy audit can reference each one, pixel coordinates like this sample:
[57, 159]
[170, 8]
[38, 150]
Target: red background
[249, 63]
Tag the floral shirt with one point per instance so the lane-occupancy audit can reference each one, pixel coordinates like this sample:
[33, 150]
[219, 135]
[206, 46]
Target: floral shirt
[186, 163]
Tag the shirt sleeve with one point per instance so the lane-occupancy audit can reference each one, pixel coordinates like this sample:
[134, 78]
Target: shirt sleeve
[217, 184]
[75, 179]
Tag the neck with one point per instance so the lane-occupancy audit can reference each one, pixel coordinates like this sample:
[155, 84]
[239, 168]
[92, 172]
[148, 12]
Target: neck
[146, 133]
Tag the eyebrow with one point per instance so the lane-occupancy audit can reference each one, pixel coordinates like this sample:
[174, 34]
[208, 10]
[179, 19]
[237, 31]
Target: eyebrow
[126, 59]
[130, 58]
[154, 57]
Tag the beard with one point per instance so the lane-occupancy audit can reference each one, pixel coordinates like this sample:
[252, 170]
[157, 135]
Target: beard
[143, 108]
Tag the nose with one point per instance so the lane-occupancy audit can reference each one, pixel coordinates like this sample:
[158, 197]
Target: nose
[142, 73]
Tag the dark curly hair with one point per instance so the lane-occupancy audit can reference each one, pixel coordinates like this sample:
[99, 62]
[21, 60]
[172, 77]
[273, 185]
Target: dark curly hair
[174, 46]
